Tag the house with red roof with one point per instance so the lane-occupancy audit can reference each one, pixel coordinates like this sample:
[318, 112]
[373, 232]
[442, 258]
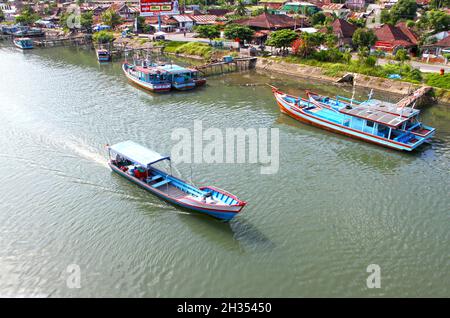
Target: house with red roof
[435, 52]
[267, 21]
[339, 9]
[390, 38]
[343, 30]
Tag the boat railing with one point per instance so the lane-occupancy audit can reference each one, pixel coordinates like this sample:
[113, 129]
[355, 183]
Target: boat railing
[338, 97]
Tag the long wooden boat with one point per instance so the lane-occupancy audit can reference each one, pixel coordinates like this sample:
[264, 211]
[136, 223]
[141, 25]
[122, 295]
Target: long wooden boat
[400, 130]
[147, 78]
[135, 163]
[23, 43]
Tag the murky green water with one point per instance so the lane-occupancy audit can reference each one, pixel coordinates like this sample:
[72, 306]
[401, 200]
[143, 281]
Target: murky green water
[335, 206]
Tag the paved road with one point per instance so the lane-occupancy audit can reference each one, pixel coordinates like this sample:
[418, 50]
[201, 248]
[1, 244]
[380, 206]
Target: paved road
[424, 67]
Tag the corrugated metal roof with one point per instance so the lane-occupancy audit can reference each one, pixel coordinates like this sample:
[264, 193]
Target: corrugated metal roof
[182, 18]
[204, 18]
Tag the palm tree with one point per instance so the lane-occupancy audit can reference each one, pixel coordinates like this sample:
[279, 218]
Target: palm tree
[240, 8]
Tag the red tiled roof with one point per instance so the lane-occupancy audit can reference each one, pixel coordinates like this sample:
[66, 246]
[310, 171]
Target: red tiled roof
[445, 42]
[343, 28]
[269, 21]
[408, 32]
[394, 35]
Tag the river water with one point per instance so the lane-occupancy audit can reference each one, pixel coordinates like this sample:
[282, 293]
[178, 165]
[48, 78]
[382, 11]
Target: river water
[335, 206]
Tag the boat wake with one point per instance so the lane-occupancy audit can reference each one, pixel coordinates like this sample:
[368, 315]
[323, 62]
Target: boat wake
[83, 150]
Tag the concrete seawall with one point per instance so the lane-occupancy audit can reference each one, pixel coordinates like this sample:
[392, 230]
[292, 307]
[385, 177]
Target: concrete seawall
[377, 83]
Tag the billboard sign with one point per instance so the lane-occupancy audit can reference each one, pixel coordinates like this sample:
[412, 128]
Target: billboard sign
[151, 8]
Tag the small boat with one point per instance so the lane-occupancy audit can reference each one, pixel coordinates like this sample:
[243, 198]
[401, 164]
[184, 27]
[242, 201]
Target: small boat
[23, 43]
[103, 55]
[135, 163]
[372, 121]
[29, 32]
[149, 78]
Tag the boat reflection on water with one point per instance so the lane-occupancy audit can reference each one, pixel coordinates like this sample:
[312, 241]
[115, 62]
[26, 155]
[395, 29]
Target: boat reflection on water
[238, 234]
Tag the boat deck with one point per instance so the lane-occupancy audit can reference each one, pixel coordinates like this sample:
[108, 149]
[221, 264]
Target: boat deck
[169, 189]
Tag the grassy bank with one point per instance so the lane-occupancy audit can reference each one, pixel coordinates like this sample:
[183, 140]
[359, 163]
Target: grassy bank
[189, 48]
[407, 73]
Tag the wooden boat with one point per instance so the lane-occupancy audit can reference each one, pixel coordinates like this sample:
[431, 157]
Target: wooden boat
[180, 77]
[103, 55]
[135, 163]
[147, 77]
[398, 129]
[23, 43]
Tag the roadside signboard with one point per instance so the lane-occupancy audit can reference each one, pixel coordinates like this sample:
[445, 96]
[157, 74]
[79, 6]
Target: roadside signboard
[151, 8]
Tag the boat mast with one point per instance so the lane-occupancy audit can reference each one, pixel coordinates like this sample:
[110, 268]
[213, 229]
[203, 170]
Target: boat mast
[353, 93]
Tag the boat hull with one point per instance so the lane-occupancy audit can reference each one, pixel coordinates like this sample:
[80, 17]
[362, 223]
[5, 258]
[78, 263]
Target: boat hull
[183, 86]
[225, 213]
[200, 82]
[22, 47]
[156, 88]
[304, 117]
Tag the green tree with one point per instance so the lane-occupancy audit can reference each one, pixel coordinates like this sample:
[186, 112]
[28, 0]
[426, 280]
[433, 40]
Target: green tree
[402, 10]
[364, 38]
[2, 15]
[111, 18]
[103, 36]
[140, 23]
[241, 32]
[27, 16]
[86, 20]
[208, 31]
[360, 23]
[258, 11]
[309, 42]
[240, 8]
[401, 55]
[437, 4]
[318, 18]
[438, 20]
[282, 39]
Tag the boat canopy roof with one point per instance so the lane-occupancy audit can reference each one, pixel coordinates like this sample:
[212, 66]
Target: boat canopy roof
[150, 70]
[380, 117]
[137, 153]
[391, 108]
[175, 69]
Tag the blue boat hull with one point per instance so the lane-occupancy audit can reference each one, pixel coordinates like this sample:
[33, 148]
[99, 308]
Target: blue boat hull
[311, 119]
[222, 215]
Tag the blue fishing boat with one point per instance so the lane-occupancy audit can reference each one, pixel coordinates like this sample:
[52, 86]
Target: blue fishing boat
[23, 43]
[182, 78]
[147, 77]
[136, 163]
[372, 121]
[103, 55]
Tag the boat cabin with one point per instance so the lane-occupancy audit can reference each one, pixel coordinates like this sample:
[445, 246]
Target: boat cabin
[150, 74]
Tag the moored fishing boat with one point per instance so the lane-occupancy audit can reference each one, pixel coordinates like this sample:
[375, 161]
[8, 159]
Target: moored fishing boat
[23, 43]
[103, 55]
[390, 127]
[135, 163]
[147, 77]
[180, 77]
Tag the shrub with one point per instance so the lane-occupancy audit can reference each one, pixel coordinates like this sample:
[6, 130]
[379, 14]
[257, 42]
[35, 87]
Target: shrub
[195, 48]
